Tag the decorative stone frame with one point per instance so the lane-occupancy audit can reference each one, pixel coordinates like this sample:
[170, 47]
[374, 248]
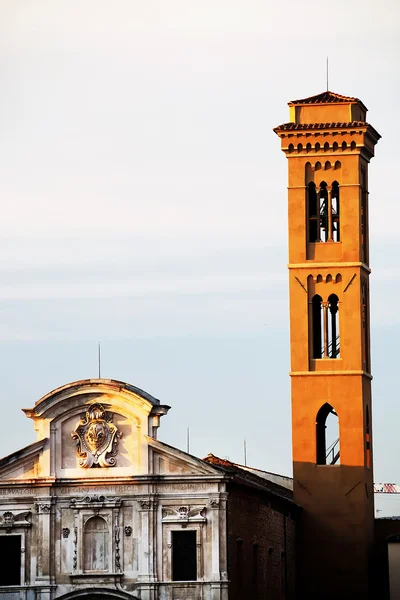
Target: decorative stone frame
[107, 508]
[21, 534]
[189, 518]
[17, 523]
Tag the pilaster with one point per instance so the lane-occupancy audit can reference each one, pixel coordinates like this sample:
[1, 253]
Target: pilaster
[147, 576]
[44, 509]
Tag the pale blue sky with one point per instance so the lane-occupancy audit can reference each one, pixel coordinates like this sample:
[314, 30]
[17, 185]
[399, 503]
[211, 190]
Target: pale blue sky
[143, 203]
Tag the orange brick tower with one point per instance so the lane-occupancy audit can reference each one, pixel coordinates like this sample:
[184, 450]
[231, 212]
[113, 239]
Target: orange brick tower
[329, 144]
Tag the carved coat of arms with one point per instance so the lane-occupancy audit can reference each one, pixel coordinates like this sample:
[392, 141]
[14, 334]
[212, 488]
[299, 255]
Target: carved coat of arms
[96, 438]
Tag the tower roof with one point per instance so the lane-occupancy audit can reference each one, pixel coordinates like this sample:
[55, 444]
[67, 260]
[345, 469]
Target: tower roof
[327, 98]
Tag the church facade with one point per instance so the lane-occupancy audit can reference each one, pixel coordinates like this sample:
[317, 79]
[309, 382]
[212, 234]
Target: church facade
[99, 507]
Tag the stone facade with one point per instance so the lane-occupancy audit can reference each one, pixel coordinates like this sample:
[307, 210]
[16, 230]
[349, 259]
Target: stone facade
[99, 507]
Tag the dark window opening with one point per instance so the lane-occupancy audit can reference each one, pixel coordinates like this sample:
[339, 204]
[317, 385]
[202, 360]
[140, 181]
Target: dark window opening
[333, 327]
[269, 566]
[184, 556]
[323, 213]
[317, 317]
[335, 224]
[283, 573]
[255, 570]
[367, 438]
[10, 552]
[313, 215]
[239, 565]
[325, 327]
[327, 436]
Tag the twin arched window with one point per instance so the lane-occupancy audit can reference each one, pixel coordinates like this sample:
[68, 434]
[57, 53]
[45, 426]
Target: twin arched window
[325, 327]
[96, 545]
[323, 212]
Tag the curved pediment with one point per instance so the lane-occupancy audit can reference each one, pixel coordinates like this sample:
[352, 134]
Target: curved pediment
[96, 427]
[88, 390]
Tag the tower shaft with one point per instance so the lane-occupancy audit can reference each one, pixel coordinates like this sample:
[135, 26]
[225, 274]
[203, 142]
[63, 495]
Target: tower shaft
[329, 144]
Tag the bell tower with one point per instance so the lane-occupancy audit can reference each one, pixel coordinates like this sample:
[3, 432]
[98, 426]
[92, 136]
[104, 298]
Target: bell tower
[329, 145]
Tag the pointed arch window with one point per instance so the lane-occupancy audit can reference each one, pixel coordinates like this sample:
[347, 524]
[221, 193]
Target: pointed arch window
[327, 436]
[323, 212]
[96, 542]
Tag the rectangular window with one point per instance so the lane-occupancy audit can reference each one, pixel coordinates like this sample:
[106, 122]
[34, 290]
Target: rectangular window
[184, 556]
[10, 552]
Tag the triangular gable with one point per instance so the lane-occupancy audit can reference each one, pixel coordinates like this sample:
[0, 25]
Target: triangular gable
[168, 460]
[22, 464]
[325, 98]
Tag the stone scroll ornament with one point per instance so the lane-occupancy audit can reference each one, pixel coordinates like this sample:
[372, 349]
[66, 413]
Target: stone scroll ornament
[96, 438]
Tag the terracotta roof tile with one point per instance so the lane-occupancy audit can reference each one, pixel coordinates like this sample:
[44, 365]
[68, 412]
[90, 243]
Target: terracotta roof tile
[234, 469]
[300, 126]
[325, 98]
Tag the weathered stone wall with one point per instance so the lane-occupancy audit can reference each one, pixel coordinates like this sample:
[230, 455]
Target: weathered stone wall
[261, 546]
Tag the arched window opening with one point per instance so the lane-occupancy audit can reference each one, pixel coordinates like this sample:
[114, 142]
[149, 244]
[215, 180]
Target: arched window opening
[323, 212]
[325, 327]
[317, 147]
[96, 541]
[365, 326]
[335, 221]
[299, 147]
[312, 213]
[308, 147]
[338, 278]
[290, 148]
[367, 438]
[332, 328]
[335, 146]
[327, 165]
[317, 327]
[327, 436]
[353, 145]
[328, 278]
[317, 165]
[338, 164]
[344, 145]
[326, 146]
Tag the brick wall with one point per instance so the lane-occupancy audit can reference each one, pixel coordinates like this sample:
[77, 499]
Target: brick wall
[261, 546]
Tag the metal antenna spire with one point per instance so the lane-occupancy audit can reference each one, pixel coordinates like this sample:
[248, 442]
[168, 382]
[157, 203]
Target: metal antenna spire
[327, 74]
[99, 359]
